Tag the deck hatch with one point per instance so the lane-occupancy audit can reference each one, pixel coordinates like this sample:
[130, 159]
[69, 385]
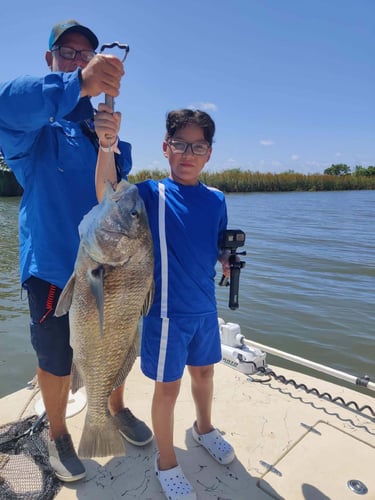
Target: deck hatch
[322, 465]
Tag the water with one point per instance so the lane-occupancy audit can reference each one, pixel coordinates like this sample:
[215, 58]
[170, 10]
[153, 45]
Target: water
[17, 359]
[308, 286]
[309, 283]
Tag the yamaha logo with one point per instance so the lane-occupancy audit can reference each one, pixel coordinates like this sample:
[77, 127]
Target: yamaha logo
[230, 362]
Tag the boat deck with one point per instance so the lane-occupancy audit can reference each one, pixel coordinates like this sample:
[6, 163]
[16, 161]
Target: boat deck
[289, 444]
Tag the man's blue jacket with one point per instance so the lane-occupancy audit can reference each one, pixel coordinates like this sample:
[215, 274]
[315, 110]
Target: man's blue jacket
[45, 139]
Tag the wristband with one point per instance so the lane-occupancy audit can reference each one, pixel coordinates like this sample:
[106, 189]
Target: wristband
[111, 149]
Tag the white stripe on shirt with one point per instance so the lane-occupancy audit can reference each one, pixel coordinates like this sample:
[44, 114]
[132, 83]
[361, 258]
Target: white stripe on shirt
[164, 285]
[163, 253]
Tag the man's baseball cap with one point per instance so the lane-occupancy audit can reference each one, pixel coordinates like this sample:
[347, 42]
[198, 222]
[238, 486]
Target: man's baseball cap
[71, 25]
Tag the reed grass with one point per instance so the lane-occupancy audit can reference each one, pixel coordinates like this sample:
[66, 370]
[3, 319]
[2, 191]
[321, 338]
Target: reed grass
[240, 181]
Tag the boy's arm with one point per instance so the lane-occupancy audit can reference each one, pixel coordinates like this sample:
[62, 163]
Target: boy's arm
[107, 126]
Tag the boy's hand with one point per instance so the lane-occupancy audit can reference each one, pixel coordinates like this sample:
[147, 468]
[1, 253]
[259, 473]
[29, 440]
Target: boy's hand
[107, 125]
[224, 260]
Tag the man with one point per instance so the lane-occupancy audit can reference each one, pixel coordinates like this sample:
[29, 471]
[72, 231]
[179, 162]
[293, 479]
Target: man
[48, 139]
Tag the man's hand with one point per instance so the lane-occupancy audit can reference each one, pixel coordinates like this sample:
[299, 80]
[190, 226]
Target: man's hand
[102, 74]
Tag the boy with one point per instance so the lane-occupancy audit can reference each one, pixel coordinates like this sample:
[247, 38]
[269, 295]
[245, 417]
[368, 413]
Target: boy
[186, 219]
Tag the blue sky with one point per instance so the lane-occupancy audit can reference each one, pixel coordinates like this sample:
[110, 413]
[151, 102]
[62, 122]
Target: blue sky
[289, 83]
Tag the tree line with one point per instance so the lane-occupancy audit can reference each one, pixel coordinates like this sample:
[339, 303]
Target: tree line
[338, 177]
[343, 169]
[245, 181]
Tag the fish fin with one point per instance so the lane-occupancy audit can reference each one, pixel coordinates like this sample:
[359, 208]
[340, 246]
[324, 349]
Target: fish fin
[101, 440]
[76, 381]
[130, 358]
[65, 299]
[96, 277]
[88, 220]
[148, 300]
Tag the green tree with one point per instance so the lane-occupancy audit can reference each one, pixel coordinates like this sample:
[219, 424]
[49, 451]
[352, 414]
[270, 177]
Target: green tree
[337, 169]
[3, 165]
[8, 182]
[361, 171]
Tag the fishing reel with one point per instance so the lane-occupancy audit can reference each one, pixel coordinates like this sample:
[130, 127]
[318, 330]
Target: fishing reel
[231, 240]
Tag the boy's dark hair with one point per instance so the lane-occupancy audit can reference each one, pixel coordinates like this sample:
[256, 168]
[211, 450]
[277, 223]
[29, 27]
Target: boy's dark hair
[179, 119]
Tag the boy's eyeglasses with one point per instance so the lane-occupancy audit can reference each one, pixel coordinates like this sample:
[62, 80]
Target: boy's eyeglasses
[71, 54]
[197, 148]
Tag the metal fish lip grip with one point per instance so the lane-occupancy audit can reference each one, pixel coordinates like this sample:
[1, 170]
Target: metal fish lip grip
[122, 46]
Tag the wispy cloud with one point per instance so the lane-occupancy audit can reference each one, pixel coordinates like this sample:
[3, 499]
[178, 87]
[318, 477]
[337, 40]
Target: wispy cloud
[266, 142]
[295, 157]
[204, 106]
[277, 164]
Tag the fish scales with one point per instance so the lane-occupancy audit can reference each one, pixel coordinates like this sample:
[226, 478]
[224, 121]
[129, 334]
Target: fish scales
[111, 287]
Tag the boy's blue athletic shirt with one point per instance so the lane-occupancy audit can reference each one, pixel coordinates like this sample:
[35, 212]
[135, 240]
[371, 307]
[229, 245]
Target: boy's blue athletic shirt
[54, 161]
[195, 217]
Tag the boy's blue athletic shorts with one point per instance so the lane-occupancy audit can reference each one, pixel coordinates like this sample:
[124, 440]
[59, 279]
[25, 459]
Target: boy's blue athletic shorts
[169, 344]
[49, 334]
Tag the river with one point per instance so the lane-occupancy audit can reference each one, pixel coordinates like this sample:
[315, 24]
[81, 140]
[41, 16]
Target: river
[308, 286]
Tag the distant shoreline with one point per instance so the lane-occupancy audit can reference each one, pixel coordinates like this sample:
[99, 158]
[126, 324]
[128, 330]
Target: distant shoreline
[238, 181]
[8, 184]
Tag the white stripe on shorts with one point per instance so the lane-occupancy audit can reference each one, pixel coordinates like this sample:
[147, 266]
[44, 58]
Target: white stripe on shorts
[162, 349]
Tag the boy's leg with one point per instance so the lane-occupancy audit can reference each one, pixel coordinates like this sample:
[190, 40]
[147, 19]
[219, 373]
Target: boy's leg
[163, 403]
[202, 431]
[204, 352]
[202, 387]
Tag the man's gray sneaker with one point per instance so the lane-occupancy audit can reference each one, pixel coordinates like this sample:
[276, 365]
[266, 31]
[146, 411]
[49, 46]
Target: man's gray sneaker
[63, 459]
[131, 428]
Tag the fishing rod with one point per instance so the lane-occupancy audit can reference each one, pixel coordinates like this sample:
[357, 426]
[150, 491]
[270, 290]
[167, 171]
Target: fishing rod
[363, 381]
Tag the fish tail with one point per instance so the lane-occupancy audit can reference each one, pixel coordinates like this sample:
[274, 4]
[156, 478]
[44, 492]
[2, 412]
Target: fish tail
[100, 440]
